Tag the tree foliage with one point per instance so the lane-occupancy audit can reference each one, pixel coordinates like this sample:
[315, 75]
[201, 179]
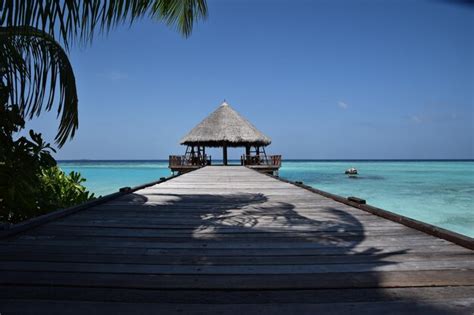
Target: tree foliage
[61, 190]
[30, 182]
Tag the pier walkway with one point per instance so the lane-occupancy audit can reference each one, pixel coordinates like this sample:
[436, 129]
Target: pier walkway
[231, 240]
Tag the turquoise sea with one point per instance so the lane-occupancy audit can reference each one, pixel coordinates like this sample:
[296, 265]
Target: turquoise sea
[437, 192]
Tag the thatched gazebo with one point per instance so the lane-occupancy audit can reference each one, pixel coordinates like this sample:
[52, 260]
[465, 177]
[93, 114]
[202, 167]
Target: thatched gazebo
[223, 128]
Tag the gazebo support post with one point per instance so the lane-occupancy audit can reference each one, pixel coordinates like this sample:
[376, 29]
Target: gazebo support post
[247, 154]
[204, 159]
[224, 154]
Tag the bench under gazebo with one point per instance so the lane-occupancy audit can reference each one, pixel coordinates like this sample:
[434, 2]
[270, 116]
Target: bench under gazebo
[225, 128]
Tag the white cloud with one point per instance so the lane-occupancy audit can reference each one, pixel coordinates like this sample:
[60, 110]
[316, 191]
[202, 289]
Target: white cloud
[415, 119]
[433, 117]
[342, 105]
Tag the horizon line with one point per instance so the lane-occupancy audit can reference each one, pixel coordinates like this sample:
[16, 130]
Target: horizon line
[297, 159]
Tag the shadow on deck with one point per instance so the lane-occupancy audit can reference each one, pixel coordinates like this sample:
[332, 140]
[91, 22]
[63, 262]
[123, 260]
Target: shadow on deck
[236, 252]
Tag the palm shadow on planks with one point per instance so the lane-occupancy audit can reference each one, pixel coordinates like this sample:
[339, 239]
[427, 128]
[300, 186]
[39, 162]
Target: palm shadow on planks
[214, 218]
[225, 230]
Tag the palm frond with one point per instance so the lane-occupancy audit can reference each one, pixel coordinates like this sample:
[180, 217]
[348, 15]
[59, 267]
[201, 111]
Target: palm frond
[69, 20]
[35, 69]
[32, 62]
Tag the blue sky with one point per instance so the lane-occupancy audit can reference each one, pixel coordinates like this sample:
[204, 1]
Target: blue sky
[323, 79]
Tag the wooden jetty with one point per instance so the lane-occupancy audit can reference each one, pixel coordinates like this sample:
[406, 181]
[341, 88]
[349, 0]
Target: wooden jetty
[231, 240]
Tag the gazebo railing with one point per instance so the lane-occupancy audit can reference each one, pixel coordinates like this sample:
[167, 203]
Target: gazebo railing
[183, 160]
[261, 159]
[276, 160]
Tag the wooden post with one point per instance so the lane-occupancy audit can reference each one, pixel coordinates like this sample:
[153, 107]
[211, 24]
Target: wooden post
[257, 153]
[247, 155]
[224, 154]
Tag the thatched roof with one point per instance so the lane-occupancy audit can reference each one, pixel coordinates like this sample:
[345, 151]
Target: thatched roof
[225, 126]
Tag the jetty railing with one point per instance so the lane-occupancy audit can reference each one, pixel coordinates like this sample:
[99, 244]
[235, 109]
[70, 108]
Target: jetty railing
[183, 160]
[261, 159]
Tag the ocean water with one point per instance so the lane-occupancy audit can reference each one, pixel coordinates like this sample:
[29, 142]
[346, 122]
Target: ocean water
[106, 177]
[437, 192]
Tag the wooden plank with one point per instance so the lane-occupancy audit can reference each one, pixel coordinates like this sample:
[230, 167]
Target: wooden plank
[236, 219]
[287, 243]
[235, 233]
[256, 282]
[265, 217]
[441, 307]
[467, 264]
[443, 250]
[225, 226]
[232, 259]
[235, 296]
[163, 210]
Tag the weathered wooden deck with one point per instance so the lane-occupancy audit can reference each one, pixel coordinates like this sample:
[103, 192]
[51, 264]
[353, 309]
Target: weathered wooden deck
[231, 240]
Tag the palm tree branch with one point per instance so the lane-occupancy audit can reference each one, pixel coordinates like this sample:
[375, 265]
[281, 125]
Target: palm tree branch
[69, 20]
[36, 69]
[32, 62]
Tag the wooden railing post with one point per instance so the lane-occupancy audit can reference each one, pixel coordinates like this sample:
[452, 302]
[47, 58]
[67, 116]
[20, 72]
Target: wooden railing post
[224, 154]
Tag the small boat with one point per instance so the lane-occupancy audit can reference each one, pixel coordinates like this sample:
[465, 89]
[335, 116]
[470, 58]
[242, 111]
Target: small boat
[351, 171]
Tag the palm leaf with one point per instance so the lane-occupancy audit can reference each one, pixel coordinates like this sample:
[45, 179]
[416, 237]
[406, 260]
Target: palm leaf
[32, 66]
[68, 20]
